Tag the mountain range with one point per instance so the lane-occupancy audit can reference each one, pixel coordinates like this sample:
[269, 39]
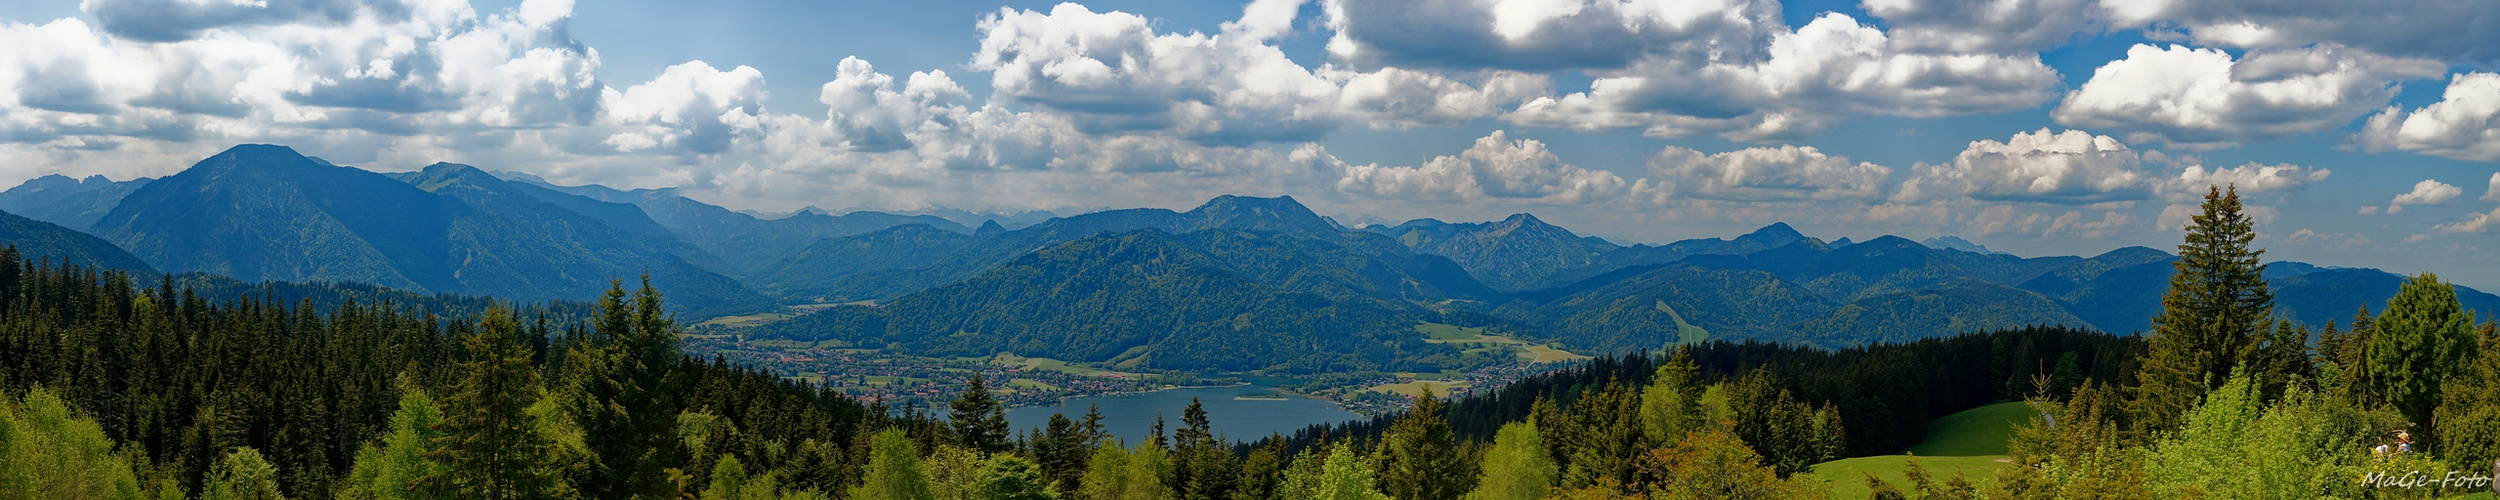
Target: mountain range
[1239, 283]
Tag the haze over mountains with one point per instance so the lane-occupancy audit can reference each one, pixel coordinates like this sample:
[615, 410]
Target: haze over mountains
[1239, 283]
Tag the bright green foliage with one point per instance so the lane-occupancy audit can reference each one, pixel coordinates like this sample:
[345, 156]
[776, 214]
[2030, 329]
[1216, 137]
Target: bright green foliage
[955, 472]
[728, 477]
[491, 447]
[2211, 315]
[624, 396]
[1714, 464]
[1517, 468]
[1670, 406]
[2469, 409]
[390, 470]
[1718, 405]
[2421, 339]
[1420, 460]
[1123, 474]
[980, 422]
[1343, 475]
[48, 451]
[1008, 477]
[894, 471]
[2235, 446]
[242, 475]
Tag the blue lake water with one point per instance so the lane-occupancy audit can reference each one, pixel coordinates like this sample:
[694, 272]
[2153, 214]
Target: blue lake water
[1131, 416]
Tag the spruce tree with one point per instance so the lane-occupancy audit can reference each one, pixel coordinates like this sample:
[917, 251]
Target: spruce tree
[2210, 316]
[2422, 338]
[623, 397]
[1420, 457]
[490, 447]
[980, 423]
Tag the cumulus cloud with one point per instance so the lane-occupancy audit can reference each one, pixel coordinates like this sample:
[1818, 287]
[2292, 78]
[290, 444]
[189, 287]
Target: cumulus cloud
[2252, 177]
[1829, 70]
[2464, 124]
[1992, 26]
[2201, 98]
[691, 107]
[1547, 35]
[2427, 192]
[2472, 223]
[2071, 167]
[2492, 194]
[298, 70]
[2457, 31]
[1495, 168]
[1768, 174]
[1112, 74]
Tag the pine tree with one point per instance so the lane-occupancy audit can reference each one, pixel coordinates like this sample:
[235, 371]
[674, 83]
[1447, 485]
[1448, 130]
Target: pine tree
[2210, 317]
[242, 475]
[390, 471]
[1420, 459]
[894, 471]
[1008, 477]
[2422, 338]
[490, 447]
[980, 423]
[623, 397]
[1517, 467]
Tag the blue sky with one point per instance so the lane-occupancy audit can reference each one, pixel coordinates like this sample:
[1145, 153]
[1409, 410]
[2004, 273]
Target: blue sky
[2042, 127]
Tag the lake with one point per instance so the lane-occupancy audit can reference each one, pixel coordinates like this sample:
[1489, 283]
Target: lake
[1131, 416]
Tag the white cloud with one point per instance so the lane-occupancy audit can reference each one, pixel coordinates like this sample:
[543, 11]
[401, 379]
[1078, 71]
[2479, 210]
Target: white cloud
[1989, 26]
[2464, 124]
[2071, 167]
[2250, 178]
[1829, 70]
[2456, 31]
[2427, 192]
[2492, 194]
[2472, 223]
[691, 107]
[1548, 35]
[1495, 168]
[1768, 174]
[2202, 98]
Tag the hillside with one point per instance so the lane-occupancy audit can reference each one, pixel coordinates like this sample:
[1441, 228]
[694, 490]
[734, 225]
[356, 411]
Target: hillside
[266, 213]
[1146, 298]
[71, 203]
[45, 242]
[1514, 254]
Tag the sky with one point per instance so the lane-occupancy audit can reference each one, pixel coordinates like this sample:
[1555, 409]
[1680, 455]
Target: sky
[2361, 134]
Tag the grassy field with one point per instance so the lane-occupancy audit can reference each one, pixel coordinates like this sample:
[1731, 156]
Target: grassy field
[1476, 340]
[1970, 443]
[1974, 432]
[1026, 383]
[1413, 387]
[1685, 333]
[1848, 476]
[1081, 370]
[747, 321]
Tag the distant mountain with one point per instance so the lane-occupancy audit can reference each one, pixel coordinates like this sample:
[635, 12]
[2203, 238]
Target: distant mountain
[1957, 243]
[39, 240]
[1514, 254]
[1436, 278]
[1216, 299]
[266, 213]
[812, 273]
[745, 242]
[71, 203]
